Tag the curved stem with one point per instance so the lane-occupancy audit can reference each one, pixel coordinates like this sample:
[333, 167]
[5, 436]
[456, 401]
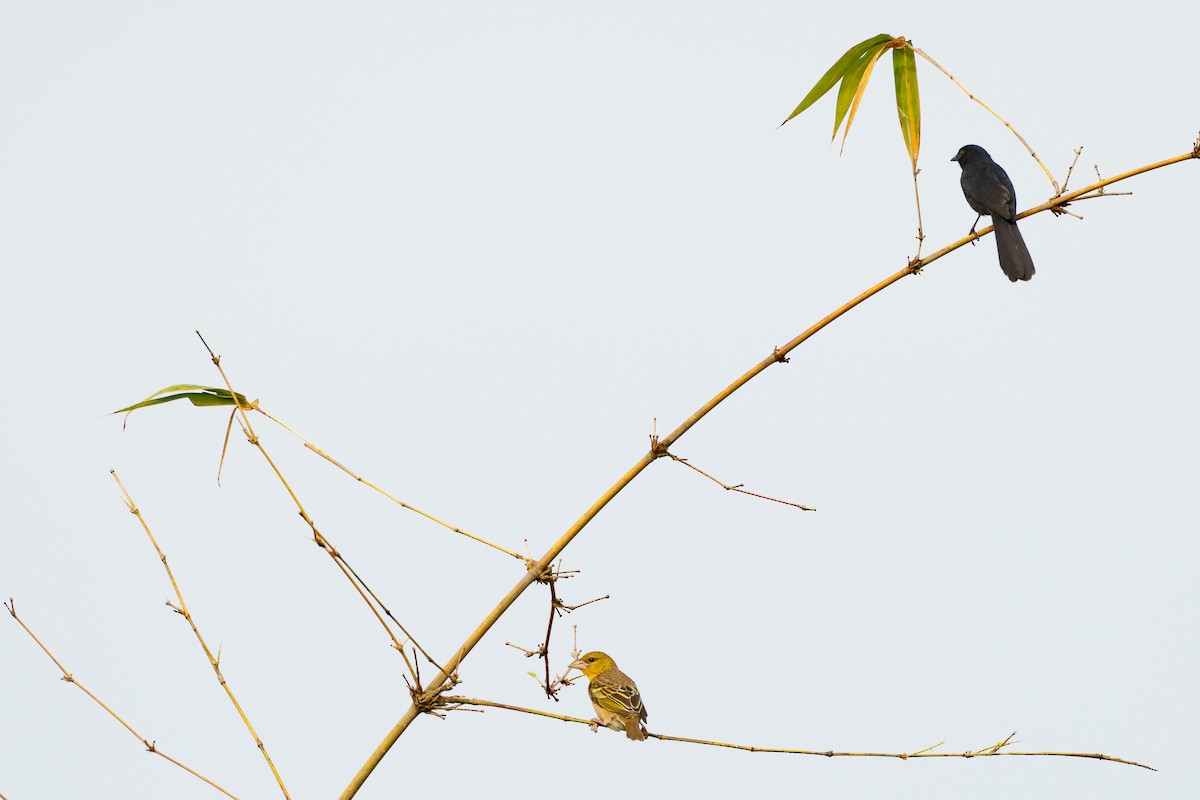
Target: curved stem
[182, 610]
[660, 449]
[993, 750]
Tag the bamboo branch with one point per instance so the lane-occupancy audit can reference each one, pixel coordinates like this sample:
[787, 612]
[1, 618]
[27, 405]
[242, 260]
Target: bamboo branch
[920, 225]
[925, 56]
[313, 447]
[554, 606]
[737, 487]
[991, 750]
[183, 611]
[369, 597]
[69, 678]
[658, 448]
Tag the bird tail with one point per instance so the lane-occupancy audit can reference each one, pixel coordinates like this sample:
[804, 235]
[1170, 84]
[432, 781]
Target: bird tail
[633, 728]
[1014, 255]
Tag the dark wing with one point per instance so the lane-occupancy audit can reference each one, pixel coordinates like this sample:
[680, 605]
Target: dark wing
[616, 692]
[988, 189]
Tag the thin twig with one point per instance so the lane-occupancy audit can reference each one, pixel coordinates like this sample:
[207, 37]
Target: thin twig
[569, 609]
[554, 604]
[225, 441]
[777, 356]
[991, 750]
[902, 756]
[920, 226]
[360, 586]
[182, 609]
[313, 447]
[1100, 191]
[1070, 169]
[738, 487]
[69, 678]
[557, 609]
[528, 653]
[1046, 170]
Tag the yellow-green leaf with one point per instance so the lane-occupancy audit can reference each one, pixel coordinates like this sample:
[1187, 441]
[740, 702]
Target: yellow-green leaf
[908, 101]
[859, 88]
[846, 92]
[838, 71]
[197, 395]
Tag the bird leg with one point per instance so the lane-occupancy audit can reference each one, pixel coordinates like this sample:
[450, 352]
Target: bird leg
[977, 218]
[595, 725]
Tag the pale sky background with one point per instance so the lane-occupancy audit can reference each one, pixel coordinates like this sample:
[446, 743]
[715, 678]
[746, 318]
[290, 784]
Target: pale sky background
[473, 250]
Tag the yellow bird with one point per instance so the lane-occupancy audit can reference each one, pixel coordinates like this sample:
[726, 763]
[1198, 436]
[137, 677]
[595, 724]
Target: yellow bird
[614, 695]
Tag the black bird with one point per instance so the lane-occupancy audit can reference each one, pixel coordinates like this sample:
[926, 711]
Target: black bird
[989, 191]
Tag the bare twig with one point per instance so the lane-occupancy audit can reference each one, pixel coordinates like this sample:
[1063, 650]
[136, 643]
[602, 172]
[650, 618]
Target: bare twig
[369, 597]
[1070, 169]
[1046, 170]
[308, 444]
[904, 756]
[528, 653]
[991, 750]
[554, 606]
[69, 678]
[1100, 191]
[920, 226]
[537, 569]
[569, 609]
[557, 608]
[182, 610]
[737, 487]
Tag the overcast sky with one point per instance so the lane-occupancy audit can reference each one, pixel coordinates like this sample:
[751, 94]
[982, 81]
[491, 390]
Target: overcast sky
[474, 251]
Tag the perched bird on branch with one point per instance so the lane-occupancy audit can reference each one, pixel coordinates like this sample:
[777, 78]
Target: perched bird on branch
[989, 191]
[614, 695]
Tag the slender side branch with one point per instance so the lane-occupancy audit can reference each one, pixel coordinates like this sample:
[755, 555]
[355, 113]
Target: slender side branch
[69, 678]
[555, 604]
[1067, 180]
[1046, 170]
[920, 225]
[403, 504]
[738, 487]
[659, 448]
[986, 752]
[313, 447]
[990, 750]
[183, 611]
[364, 591]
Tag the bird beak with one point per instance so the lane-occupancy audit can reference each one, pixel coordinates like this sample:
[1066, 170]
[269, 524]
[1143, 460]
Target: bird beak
[578, 664]
[955, 157]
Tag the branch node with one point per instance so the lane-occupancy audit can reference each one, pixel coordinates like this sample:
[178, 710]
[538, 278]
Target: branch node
[429, 701]
[657, 448]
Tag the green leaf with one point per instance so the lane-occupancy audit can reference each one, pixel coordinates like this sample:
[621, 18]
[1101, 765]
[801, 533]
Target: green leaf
[837, 72]
[198, 395]
[853, 86]
[908, 101]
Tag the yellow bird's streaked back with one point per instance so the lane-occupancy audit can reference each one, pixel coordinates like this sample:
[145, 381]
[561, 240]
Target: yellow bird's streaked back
[614, 695]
